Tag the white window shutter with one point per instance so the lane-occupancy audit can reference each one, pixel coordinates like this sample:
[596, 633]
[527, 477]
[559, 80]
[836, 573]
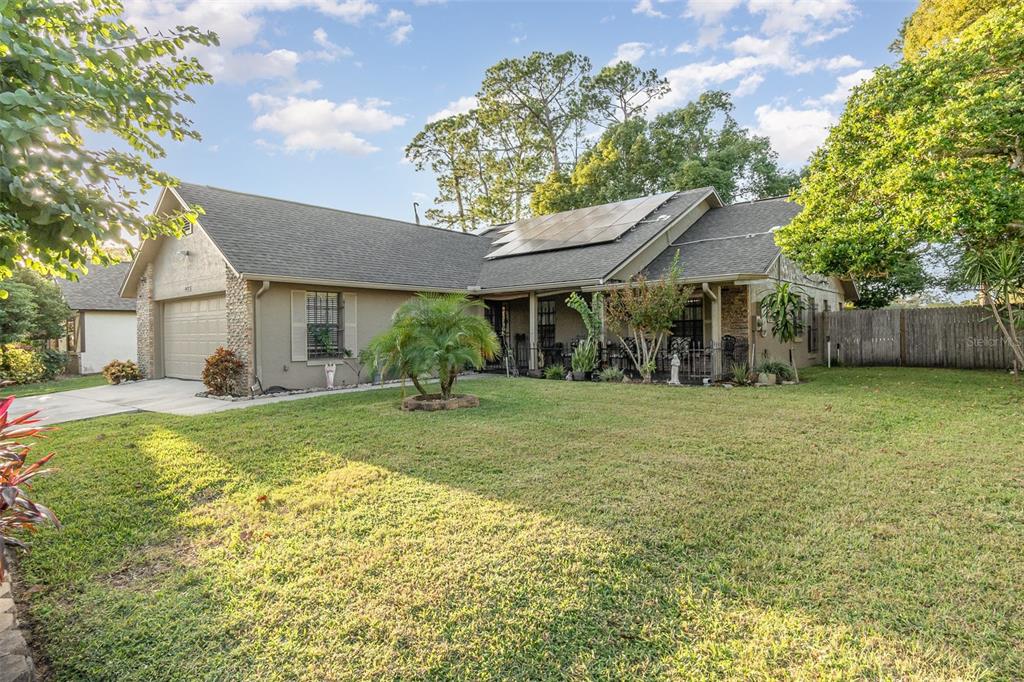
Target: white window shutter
[298, 325]
[351, 339]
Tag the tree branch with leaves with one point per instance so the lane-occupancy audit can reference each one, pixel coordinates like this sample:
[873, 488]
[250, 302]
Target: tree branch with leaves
[643, 312]
[66, 67]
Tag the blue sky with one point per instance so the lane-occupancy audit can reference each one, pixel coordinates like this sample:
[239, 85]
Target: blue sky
[316, 99]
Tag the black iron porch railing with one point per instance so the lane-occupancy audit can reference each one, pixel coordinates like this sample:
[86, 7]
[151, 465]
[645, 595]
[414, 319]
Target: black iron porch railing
[706, 362]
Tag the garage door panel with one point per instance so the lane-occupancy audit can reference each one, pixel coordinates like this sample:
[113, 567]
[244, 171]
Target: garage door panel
[193, 328]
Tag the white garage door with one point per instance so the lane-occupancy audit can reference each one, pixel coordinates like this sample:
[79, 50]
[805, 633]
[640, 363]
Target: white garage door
[193, 328]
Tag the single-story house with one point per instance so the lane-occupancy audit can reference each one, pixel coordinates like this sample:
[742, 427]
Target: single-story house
[102, 323]
[291, 287]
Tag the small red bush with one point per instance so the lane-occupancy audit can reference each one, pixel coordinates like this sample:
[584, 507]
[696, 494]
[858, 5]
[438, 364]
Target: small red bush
[16, 510]
[223, 372]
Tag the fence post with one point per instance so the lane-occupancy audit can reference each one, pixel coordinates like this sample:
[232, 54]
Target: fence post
[903, 337]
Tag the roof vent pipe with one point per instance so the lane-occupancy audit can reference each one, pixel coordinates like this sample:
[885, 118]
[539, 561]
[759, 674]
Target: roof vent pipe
[415, 211]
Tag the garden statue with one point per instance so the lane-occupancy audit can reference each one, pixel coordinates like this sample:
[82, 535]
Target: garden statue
[675, 369]
[329, 373]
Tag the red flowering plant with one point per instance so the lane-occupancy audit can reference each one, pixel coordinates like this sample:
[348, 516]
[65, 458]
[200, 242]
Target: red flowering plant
[16, 510]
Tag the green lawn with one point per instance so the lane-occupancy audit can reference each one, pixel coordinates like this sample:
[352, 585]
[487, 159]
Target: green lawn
[65, 383]
[868, 524]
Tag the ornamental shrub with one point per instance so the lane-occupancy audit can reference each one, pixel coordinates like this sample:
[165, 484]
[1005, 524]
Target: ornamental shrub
[55, 362]
[21, 365]
[223, 372]
[554, 372]
[117, 371]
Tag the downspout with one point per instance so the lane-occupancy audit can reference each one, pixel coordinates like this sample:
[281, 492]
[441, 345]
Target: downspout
[707, 290]
[256, 331]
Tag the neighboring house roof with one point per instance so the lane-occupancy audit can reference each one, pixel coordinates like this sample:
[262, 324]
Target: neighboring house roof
[265, 238]
[733, 240]
[98, 290]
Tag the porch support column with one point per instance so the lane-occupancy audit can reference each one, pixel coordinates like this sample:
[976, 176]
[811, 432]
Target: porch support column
[716, 329]
[716, 314]
[534, 340]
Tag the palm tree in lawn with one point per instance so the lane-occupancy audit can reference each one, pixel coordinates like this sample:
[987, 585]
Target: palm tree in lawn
[435, 333]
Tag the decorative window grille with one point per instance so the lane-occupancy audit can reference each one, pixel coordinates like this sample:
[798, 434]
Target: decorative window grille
[690, 326]
[546, 323]
[324, 313]
[813, 326]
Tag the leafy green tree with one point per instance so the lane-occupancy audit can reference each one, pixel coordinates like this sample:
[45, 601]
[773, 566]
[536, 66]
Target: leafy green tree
[544, 94]
[17, 312]
[34, 309]
[70, 66]
[927, 154]
[935, 21]
[620, 92]
[642, 314]
[434, 334]
[784, 308]
[697, 145]
[450, 147]
[903, 280]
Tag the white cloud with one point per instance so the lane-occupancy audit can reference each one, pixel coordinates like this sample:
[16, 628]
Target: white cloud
[800, 16]
[248, 66]
[402, 23]
[685, 48]
[794, 133]
[748, 85]
[710, 11]
[646, 7]
[710, 36]
[400, 34]
[329, 51]
[396, 17]
[844, 84]
[822, 36]
[320, 124]
[459, 106]
[238, 24]
[843, 62]
[629, 52]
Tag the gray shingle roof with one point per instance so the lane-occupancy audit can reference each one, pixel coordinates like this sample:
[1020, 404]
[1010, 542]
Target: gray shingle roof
[275, 238]
[583, 262]
[731, 240]
[98, 290]
[278, 238]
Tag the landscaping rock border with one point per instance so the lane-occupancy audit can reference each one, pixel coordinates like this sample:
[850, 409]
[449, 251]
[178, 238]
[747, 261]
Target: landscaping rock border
[434, 402]
[295, 391]
[15, 658]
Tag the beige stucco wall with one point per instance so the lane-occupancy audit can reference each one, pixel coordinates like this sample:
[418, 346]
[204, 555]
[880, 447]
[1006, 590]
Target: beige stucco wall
[818, 287]
[177, 275]
[374, 308]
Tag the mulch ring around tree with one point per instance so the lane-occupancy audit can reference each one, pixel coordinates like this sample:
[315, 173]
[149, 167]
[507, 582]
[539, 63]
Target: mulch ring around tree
[435, 401]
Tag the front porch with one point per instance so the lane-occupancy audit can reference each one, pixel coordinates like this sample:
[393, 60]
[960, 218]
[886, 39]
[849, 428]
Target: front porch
[538, 329]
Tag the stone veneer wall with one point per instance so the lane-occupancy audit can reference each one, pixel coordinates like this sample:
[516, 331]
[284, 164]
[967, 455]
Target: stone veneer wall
[15, 658]
[239, 306]
[145, 324]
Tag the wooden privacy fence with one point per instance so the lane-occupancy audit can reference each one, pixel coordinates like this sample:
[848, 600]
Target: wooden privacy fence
[963, 337]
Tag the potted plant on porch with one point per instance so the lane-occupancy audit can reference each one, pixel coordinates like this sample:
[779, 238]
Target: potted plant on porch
[584, 356]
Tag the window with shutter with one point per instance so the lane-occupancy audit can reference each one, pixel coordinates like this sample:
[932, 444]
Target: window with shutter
[324, 328]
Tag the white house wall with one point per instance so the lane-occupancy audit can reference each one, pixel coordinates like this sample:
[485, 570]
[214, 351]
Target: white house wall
[109, 335]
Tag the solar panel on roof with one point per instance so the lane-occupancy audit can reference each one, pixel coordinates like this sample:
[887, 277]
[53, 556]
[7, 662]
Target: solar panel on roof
[581, 227]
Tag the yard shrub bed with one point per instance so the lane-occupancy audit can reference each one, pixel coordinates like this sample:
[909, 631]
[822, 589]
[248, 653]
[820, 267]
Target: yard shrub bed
[868, 525]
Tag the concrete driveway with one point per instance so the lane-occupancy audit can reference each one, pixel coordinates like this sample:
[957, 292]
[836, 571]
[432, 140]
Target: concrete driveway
[169, 396]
